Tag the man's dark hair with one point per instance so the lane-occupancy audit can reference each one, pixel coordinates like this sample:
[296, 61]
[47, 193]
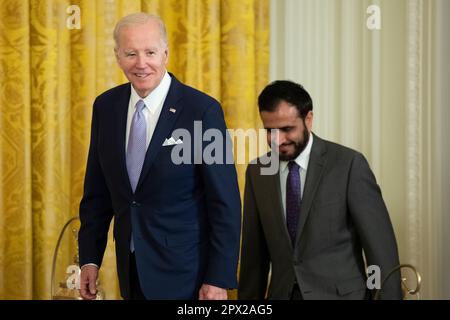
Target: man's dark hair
[284, 90]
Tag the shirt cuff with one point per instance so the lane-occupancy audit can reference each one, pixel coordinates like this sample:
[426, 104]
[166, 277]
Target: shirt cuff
[89, 264]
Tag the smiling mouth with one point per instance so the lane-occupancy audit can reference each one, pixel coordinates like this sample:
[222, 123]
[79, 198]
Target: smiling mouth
[283, 147]
[141, 75]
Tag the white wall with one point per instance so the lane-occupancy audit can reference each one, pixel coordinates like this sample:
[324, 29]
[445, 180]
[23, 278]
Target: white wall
[386, 93]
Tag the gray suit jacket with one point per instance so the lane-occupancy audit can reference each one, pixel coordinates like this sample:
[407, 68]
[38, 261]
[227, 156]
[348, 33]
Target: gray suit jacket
[342, 214]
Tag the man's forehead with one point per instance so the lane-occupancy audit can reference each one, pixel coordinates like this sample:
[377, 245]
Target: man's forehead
[276, 122]
[281, 113]
[140, 41]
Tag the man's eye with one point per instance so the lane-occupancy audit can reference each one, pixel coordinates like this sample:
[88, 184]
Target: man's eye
[151, 53]
[130, 54]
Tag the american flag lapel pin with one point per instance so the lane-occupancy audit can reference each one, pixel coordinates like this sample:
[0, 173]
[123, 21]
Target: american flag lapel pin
[173, 110]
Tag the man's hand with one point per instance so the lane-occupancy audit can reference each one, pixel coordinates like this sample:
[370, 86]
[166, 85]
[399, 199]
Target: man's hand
[209, 292]
[88, 282]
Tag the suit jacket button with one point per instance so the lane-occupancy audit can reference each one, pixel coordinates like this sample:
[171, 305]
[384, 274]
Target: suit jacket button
[297, 262]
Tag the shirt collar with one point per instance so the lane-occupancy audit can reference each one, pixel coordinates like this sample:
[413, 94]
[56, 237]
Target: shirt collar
[302, 159]
[155, 98]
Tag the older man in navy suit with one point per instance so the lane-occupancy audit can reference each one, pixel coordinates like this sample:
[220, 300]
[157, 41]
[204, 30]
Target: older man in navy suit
[176, 226]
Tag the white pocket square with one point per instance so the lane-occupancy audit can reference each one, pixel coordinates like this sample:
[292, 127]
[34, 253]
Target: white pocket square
[171, 142]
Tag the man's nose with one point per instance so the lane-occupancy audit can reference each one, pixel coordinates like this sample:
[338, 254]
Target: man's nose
[141, 61]
[281, 137]
[277, 136]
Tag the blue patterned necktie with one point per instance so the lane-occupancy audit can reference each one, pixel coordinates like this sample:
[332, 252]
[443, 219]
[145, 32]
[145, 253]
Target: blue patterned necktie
[293, 199]
[137, 146]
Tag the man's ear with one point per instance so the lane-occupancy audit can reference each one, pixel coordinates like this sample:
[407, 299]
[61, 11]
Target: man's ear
[309, 120]
[116, 53]
[166, 52]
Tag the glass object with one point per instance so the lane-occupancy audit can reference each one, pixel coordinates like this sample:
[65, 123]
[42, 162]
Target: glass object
[65, 282]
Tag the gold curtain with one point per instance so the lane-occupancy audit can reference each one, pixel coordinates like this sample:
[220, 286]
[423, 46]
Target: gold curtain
[50, 75]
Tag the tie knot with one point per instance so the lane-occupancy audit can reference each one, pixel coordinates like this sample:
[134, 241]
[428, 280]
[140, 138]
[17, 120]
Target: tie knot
[140, 105]
[293, 165]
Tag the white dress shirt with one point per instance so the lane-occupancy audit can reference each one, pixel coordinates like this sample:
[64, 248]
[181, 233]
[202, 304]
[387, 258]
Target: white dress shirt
[302, 160]
[153, 106]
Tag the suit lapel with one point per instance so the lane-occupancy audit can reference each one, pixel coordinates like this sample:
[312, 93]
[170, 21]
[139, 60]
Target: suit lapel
[270, 184]
[121, 106]
[164, 126]
[315, 170]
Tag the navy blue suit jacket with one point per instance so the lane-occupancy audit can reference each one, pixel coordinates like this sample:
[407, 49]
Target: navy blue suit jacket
[186, 218]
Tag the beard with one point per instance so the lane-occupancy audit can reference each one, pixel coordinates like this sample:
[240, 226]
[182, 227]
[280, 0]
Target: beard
[298, 147]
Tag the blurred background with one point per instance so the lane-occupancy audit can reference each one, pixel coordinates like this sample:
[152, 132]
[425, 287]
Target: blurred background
[378, 72]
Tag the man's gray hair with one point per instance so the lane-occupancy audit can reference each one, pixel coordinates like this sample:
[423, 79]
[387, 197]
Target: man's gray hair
[139, 19]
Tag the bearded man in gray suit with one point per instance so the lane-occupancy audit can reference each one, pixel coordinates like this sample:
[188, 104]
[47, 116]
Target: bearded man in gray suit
[315, 220]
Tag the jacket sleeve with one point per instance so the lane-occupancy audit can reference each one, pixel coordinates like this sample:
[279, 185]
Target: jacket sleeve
[223, 205]
[255, 262]
[95, 207]
[373, 225]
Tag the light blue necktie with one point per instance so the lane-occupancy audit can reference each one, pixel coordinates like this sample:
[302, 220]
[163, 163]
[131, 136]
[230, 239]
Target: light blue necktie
[137, 145]
[136, 149]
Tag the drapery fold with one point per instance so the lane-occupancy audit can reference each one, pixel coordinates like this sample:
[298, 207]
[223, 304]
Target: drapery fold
[49, 78]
